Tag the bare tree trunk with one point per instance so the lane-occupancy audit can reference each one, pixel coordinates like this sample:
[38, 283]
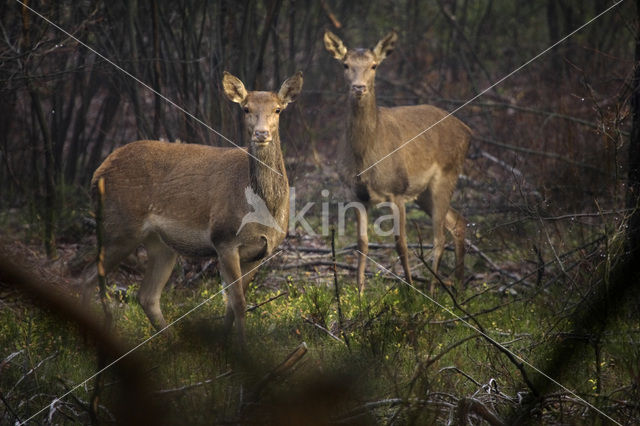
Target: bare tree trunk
[633, 187]
[49, 177]
[272, 17]
[111, 104]
[132, 8]
[157, 70]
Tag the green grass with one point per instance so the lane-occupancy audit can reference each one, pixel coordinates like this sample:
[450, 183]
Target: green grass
[401, 346]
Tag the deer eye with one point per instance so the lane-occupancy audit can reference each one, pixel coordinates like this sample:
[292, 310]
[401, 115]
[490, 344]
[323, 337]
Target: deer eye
[373, 67]
[278, 110]
[346, 67]
[246, 110]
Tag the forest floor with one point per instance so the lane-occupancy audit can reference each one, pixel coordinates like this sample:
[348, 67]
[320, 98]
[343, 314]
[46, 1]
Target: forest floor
[392, 355]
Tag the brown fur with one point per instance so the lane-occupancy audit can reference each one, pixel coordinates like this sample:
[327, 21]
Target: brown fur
[425, 169]
[190, 199]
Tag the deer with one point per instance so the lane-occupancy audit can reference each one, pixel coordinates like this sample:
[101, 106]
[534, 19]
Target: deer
[387, 156]
[191, 199]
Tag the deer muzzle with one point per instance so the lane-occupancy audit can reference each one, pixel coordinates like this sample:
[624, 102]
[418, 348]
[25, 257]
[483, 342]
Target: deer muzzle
[261, 137]
[358, 89]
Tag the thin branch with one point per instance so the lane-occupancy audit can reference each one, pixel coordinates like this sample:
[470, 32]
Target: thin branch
[271, 299]
[518, 364]
[193, 385]
[315, 324]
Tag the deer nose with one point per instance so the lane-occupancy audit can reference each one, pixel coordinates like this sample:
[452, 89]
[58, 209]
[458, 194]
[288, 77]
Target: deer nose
[359, 88]
[260, 135]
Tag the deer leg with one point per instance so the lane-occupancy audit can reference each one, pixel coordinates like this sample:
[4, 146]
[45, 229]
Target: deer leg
[161, 259]
[114, 254]
[249, 271]
[438, 217]
[236, 305]
[363, 245]
[457, 225]
[401, 241]
[436, 204]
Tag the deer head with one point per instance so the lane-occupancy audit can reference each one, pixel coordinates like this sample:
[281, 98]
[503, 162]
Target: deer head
[360, 64]
[262, 109]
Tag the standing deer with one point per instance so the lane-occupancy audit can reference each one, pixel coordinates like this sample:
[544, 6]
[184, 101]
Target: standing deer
[425, 169]
[189, 199]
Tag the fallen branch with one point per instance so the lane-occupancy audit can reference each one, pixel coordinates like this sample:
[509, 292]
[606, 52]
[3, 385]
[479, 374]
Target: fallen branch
[390, 402]
[316, 263]
[193, 385]
[286, 365]
[494, 267]
[468, 406]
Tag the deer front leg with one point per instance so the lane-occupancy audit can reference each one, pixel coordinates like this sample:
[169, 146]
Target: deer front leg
[457, 226]
[401, 241]
[440, 206]
[236, 304]
[363, 245]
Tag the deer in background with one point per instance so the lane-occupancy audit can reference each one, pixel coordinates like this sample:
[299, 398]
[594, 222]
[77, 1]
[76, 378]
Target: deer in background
[189, 199]
[425, 170]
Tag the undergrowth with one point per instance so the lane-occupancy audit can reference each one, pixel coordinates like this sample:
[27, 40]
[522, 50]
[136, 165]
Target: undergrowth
[398, 358]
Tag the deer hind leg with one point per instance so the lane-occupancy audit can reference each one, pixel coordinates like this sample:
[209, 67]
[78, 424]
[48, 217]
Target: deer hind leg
[161, 259]
[363, 245]
[457, 225]
[236, 304]
[401, 241]
[436, 203]
[114, 253]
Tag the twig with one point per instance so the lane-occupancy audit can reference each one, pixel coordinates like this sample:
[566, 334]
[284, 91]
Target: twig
[337, 289]
[193, 385]
[534, 272]
[10, 357]
[200, 273]
[468, 406]
[333, 336]
[457, 370]
[280, 370]
[477, 314]
[332, 17]
[540, 153]
[13, 413]
[316, 263]
[351, 247]
[368, 406]
[519, 365]
[493, 265]
[548, 114]
[422, 365]
[31, 371]
[277, 296]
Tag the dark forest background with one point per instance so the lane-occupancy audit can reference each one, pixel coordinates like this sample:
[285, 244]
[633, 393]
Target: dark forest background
[550, 189]
[561, 121]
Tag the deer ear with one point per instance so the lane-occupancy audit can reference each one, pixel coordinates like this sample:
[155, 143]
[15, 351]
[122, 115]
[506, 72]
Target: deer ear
[291, 88]
[334, 45]
[385, 46]
[233, 88]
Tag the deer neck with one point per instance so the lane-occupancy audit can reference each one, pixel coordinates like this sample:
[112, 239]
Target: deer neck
[272, 187]
[362, 123]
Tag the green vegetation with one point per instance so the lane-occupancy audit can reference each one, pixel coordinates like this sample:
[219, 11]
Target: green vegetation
[407, 359]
